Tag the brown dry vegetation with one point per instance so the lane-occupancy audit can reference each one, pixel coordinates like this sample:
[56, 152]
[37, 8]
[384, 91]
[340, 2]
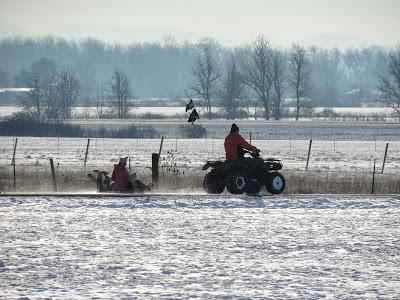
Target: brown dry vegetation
[38, 179]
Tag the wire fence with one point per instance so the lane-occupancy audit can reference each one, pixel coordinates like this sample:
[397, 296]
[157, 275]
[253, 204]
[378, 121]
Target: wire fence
[325, 156]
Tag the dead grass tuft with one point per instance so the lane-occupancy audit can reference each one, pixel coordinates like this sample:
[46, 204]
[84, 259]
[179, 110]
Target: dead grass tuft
[38, 179]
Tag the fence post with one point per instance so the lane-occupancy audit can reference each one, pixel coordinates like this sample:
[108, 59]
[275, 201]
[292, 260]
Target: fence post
[159, 151]
[53, 175]
[87, 152]
[154, 169]
[334, 144]
[384, 158]
[13, 164]
[129, 159]
[15, 149]
[308, 156]
[373, 178]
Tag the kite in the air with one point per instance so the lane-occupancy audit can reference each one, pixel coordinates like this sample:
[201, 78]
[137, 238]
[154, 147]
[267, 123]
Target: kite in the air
[189, 105]
[193, 115]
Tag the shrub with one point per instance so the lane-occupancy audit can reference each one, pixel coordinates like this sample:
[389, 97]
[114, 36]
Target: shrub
[135, 132]
[25, 125]
[192, 131]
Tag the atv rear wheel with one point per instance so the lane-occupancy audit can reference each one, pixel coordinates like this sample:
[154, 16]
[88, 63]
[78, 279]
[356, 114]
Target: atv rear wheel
[213, 184]
[275, 183]
[236, 182]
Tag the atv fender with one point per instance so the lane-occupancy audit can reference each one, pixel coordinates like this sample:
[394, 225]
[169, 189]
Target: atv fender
[212, 164]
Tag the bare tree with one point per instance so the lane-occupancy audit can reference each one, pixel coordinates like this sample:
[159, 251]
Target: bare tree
[42, 79]
[279, 76]
[101, 100]
[32, 103]
[67, 92]
[299, 74]
[389, 84]
[257, 71]
[205, 75]
[231, 87]
[120, 93]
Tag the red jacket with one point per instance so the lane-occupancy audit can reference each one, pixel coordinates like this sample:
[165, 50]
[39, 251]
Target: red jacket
[121, 178]
[232, 141]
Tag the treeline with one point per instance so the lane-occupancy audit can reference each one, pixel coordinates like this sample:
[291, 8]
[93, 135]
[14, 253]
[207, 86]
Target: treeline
[258, 76]
[27, 125]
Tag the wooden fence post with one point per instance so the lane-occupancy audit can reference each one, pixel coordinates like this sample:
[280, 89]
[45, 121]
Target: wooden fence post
[308, 156]
[159, 151]
[15, 149]
[13, 164]
[373, 178]
[53, 175]
[87, 152]
[334, 144]
[384, 158]
[154, 169]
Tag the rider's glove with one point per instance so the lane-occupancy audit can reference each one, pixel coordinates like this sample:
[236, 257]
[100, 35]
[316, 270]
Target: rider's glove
[258, 151]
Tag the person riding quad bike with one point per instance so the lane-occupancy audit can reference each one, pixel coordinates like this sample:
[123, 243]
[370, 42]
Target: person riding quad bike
[241, 174]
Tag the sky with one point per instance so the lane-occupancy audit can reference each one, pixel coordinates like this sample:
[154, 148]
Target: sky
[325, 23]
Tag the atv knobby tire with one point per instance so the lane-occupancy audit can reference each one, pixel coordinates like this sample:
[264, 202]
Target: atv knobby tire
[213, 184]
[236, 182]
[275, 183]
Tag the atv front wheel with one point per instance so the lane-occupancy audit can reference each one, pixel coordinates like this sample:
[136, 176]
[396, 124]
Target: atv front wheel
[275, 183]
[213, 184]
[236, 182]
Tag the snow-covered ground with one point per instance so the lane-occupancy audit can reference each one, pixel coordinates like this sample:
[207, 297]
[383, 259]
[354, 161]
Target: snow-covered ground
[172, 111]
[199, 246]
[192, 154]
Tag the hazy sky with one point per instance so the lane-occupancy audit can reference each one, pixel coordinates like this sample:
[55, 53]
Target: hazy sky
[232, 22]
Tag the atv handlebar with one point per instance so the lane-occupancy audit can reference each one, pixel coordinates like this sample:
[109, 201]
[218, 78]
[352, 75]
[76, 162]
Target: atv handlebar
[253, 154]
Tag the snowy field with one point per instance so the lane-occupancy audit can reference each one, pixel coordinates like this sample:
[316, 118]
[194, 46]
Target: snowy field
[69, 153]
[81, 112]
[338, 247]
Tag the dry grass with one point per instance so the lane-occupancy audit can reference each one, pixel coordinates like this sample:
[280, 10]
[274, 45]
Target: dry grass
[38, 179]
[340, 183]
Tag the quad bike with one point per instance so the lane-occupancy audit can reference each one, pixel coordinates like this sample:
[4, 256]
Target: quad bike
[245, 175]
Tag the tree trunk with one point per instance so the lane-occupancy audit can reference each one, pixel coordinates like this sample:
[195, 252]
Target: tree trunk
[278, 107]
[297, 106]
[266, 107]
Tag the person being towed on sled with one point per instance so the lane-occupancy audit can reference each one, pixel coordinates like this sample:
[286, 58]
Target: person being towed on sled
[121, 181]
[234, 144]
[124, 182]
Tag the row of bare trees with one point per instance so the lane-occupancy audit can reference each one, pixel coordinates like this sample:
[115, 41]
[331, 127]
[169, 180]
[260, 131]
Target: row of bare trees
[54, 92]
[259, 72]
[389, 82]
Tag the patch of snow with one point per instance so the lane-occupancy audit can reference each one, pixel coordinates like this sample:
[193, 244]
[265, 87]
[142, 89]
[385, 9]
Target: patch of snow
[200, 246]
